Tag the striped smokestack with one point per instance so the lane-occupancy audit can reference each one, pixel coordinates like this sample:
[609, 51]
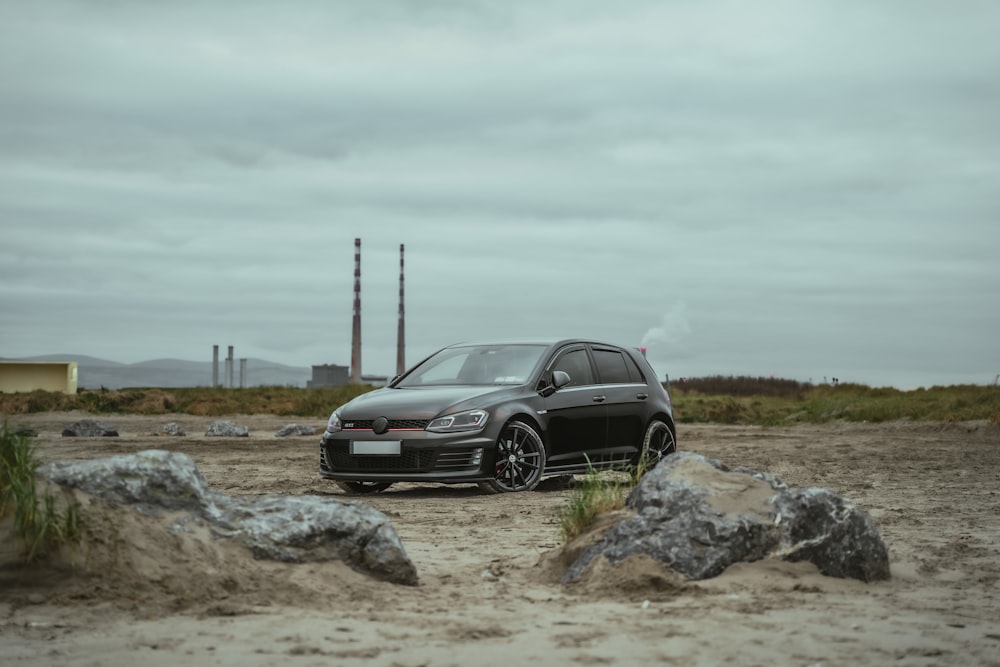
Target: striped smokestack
[215, 366]
[356, 331]
[401, 332]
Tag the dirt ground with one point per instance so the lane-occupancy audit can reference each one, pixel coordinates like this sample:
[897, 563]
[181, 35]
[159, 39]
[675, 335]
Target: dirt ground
[487, 593]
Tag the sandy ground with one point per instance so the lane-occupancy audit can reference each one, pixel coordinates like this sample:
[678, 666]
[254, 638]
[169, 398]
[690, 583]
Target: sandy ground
[488, 595]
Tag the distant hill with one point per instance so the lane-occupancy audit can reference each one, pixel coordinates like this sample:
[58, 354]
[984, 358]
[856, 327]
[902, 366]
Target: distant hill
[94, 373]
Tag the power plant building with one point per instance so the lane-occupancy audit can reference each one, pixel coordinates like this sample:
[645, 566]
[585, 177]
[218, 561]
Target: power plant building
[328, 375]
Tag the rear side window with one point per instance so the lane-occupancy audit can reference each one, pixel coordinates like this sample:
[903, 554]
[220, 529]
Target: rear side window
[611, 367]
[634, 371]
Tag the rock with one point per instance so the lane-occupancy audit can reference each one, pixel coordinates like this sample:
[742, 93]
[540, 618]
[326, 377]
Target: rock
[227, 429]
[289, 529]
[89, 428]
[173, 429]
[829, 532]
[294, 429]
[152, 480]
[698, 517]
[26, 432]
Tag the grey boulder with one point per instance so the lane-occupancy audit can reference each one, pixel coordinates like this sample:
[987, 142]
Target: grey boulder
[697, 517]
[283, 528]
[173, 428]
[227, 429]
[295, 429]
[89, 428]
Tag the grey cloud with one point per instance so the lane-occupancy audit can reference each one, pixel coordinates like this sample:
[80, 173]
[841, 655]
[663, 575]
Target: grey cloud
[814, 183]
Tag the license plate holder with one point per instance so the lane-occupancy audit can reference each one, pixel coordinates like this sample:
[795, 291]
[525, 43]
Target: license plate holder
[376, 447]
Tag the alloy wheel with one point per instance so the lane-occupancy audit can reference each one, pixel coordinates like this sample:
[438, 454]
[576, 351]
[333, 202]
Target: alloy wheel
[520, 459]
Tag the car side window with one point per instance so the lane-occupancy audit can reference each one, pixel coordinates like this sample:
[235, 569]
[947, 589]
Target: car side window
[611, 367]
[576, 364]
[634, 371]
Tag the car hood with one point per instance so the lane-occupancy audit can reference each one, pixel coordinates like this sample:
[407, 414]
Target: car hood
[418, 402]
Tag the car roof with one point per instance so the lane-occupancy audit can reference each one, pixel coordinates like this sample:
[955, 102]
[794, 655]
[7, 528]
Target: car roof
[551, 342]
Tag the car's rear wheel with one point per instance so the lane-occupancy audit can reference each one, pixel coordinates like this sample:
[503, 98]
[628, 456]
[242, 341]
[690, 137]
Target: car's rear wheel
[658, 443]
[520, 459]
[363, 487]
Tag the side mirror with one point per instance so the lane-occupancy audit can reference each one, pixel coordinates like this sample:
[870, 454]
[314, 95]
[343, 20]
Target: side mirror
[559, 380]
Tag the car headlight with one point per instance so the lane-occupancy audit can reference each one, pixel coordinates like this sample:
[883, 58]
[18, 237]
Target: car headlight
[473, 420]
[333, 423]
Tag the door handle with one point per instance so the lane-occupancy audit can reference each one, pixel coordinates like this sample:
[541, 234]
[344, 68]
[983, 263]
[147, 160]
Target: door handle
[600, 399]
[642, 397]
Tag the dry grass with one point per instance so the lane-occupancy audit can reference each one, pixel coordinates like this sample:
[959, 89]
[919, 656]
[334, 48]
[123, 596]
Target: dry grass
[720, 400]
[826, 403]
[202, 401]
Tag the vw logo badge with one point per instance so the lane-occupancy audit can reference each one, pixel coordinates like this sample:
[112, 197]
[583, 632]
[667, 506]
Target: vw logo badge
[380, 425]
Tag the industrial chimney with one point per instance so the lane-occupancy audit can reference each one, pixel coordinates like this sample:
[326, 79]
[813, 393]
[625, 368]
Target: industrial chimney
[215, 366]
[356, 331]
[401, 332]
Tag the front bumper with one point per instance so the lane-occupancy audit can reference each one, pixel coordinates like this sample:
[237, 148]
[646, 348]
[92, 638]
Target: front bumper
[423, 457]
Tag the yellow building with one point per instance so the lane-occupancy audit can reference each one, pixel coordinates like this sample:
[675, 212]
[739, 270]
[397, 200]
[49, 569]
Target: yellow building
[24, 376]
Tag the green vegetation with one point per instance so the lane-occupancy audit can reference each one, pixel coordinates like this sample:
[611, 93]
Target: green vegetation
[39, 524]
[724, 400]
[773, 402]
[204, 401]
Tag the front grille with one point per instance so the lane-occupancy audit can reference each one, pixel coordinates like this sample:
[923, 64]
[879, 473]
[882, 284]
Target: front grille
[409, 460]
[394, 424]
[336, 457]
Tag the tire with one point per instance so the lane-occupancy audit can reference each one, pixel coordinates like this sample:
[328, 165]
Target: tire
[520, 459]
[363, 487]
[658, 443]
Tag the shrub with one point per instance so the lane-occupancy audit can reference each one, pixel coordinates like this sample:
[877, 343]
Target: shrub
[743, 386]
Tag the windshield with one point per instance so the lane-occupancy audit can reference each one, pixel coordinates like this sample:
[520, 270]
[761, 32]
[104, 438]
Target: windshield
[476, 365]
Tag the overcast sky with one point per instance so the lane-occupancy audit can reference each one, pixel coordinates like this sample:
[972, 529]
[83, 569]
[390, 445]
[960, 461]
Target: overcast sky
[804, 189]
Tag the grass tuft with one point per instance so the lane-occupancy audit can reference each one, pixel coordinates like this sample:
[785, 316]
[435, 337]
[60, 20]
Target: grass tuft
[39, 524]
[596, 494]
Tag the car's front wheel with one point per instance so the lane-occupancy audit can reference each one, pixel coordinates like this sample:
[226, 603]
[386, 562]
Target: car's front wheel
[520, 459]
[363, 487]
[658, 443]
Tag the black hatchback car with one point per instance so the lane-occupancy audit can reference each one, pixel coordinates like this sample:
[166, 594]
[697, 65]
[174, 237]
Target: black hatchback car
[504, 415]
